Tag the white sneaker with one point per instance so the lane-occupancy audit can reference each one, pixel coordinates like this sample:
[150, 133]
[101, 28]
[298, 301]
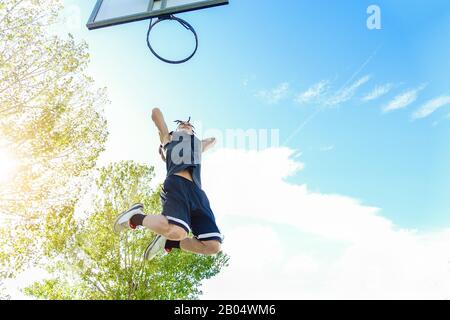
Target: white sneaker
[155, 247]
[123, 220]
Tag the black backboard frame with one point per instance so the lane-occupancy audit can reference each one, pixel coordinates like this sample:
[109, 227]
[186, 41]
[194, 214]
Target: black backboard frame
[93, 24]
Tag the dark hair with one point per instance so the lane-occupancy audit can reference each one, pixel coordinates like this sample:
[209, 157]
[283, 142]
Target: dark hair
[178, 122]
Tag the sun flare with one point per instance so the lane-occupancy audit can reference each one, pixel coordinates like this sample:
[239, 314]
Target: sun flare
[7, 165]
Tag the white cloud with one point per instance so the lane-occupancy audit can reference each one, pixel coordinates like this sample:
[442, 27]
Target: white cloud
[292, 243]
[300, 264]
[378, 92]
[313, 93]
[431, 106]
[327, 148]
[275, 95]
[348, 92]
[247, 79]
[297, 155]
[403, 100]
[317, 207]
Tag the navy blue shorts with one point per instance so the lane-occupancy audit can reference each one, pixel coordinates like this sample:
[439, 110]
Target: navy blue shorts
[187, 206]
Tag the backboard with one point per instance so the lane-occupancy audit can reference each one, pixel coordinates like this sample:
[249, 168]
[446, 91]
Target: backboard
[113, 12]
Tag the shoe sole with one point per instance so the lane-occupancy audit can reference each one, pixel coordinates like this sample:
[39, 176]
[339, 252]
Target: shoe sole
[116, 223]
[150, 247]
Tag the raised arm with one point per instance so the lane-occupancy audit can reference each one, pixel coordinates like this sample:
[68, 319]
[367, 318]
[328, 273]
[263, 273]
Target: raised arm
[160, 123]
[208, 144]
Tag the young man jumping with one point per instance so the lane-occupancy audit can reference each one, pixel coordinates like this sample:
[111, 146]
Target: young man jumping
[186, 207]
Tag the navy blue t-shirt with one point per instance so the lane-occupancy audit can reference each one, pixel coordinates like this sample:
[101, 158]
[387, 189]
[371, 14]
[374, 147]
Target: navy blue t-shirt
[184, 152]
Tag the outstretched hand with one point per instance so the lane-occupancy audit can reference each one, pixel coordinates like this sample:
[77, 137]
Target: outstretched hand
[208, 143]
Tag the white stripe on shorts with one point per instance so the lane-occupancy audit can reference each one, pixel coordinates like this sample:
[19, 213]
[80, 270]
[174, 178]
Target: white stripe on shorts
[210, 235]
[179, 221]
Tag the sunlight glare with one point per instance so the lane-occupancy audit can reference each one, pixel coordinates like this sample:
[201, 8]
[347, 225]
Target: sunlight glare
[7, 165]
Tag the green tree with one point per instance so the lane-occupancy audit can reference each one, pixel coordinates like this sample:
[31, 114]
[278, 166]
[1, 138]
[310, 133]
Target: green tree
[95, 263]
[51, 120]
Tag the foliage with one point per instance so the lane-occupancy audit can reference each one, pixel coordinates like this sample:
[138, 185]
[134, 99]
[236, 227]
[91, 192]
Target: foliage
[98, 264]
[50, 115]
[51, 120]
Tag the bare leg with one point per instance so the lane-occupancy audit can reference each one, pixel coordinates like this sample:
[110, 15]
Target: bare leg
[160, 224]
[156, 223]
[201, 247]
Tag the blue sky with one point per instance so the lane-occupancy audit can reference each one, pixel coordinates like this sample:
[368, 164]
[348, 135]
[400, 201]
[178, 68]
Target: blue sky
[252, 47]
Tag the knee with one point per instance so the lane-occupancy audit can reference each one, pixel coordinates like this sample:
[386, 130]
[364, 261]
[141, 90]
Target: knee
[176, 233]
[212, 247]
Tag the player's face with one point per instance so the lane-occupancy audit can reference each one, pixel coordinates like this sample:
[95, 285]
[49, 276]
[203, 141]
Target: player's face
[185, 127]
